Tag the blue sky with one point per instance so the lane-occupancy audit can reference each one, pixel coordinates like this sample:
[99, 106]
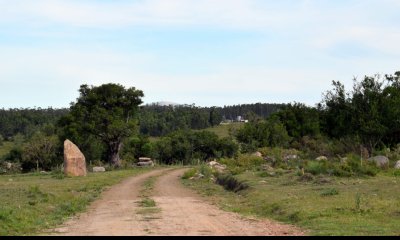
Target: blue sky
[207, 52]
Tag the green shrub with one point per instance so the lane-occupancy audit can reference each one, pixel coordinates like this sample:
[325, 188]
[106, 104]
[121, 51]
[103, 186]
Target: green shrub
[396, 173]
[316, 168]
[249, 161]
[189, 173]
[206, 171]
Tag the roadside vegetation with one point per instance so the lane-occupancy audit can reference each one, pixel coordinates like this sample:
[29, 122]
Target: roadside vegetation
[319, 202]
[31, 203]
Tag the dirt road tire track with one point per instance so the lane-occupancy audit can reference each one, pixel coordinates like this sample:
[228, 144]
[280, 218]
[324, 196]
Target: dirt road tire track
[183, 213]
[186, 213]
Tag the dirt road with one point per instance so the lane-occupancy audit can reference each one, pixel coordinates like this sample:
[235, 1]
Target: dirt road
[178, 212]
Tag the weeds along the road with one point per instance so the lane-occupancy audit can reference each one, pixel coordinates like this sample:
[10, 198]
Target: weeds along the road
[324, 205]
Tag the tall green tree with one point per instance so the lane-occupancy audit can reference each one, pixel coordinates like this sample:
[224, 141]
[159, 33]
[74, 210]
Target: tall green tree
[108, 113]
[299, 120]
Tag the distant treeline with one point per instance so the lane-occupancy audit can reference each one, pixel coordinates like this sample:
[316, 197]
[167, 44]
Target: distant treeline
[154, 120]
[158, 120]
[28, 121]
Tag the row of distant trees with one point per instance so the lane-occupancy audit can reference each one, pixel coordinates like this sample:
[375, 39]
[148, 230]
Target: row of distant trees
[162, 120]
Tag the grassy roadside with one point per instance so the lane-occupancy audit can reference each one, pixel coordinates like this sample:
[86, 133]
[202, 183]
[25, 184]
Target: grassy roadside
[31, 203]
[324, 205]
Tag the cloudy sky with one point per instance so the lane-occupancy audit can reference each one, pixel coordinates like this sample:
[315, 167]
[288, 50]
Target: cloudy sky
[207, 52]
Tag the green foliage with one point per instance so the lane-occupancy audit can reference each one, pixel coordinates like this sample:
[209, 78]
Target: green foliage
[352, 167]
[215, 116]
[316, 168]
[205, 170]
[27, 121]
[158, 120]
[369, 112]
[242, 163]
[299, 120]
[108, 113]
[189, 173]
[136, 147]
[40, 151]
[270, 133]
[187, 146]
[15, 155]
[1, 140]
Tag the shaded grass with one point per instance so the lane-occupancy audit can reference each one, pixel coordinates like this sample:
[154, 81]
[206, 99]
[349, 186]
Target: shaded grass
[342, 206]
[31, 203]
[5, 148]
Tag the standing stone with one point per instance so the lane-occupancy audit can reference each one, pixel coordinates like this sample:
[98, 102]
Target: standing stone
[74, 160]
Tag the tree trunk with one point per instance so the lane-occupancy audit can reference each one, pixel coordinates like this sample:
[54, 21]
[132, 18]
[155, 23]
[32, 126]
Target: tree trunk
[113, 151]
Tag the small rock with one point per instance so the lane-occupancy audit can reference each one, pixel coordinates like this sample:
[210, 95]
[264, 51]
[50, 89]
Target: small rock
[98, 169]
[213, 163]
[397, 166]
[257, 154]
[9, 165]
[321, 158]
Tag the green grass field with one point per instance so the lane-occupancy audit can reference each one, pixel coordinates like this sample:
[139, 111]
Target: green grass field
[324, 206]
[31, 203]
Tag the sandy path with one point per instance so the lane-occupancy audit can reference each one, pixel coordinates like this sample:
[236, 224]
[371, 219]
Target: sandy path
[112, 215]
[179, 212]
[184, 213]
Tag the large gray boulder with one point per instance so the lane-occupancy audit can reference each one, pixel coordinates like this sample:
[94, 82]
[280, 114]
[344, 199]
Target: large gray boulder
[74, 160]
[397, 166]
[380, 161]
